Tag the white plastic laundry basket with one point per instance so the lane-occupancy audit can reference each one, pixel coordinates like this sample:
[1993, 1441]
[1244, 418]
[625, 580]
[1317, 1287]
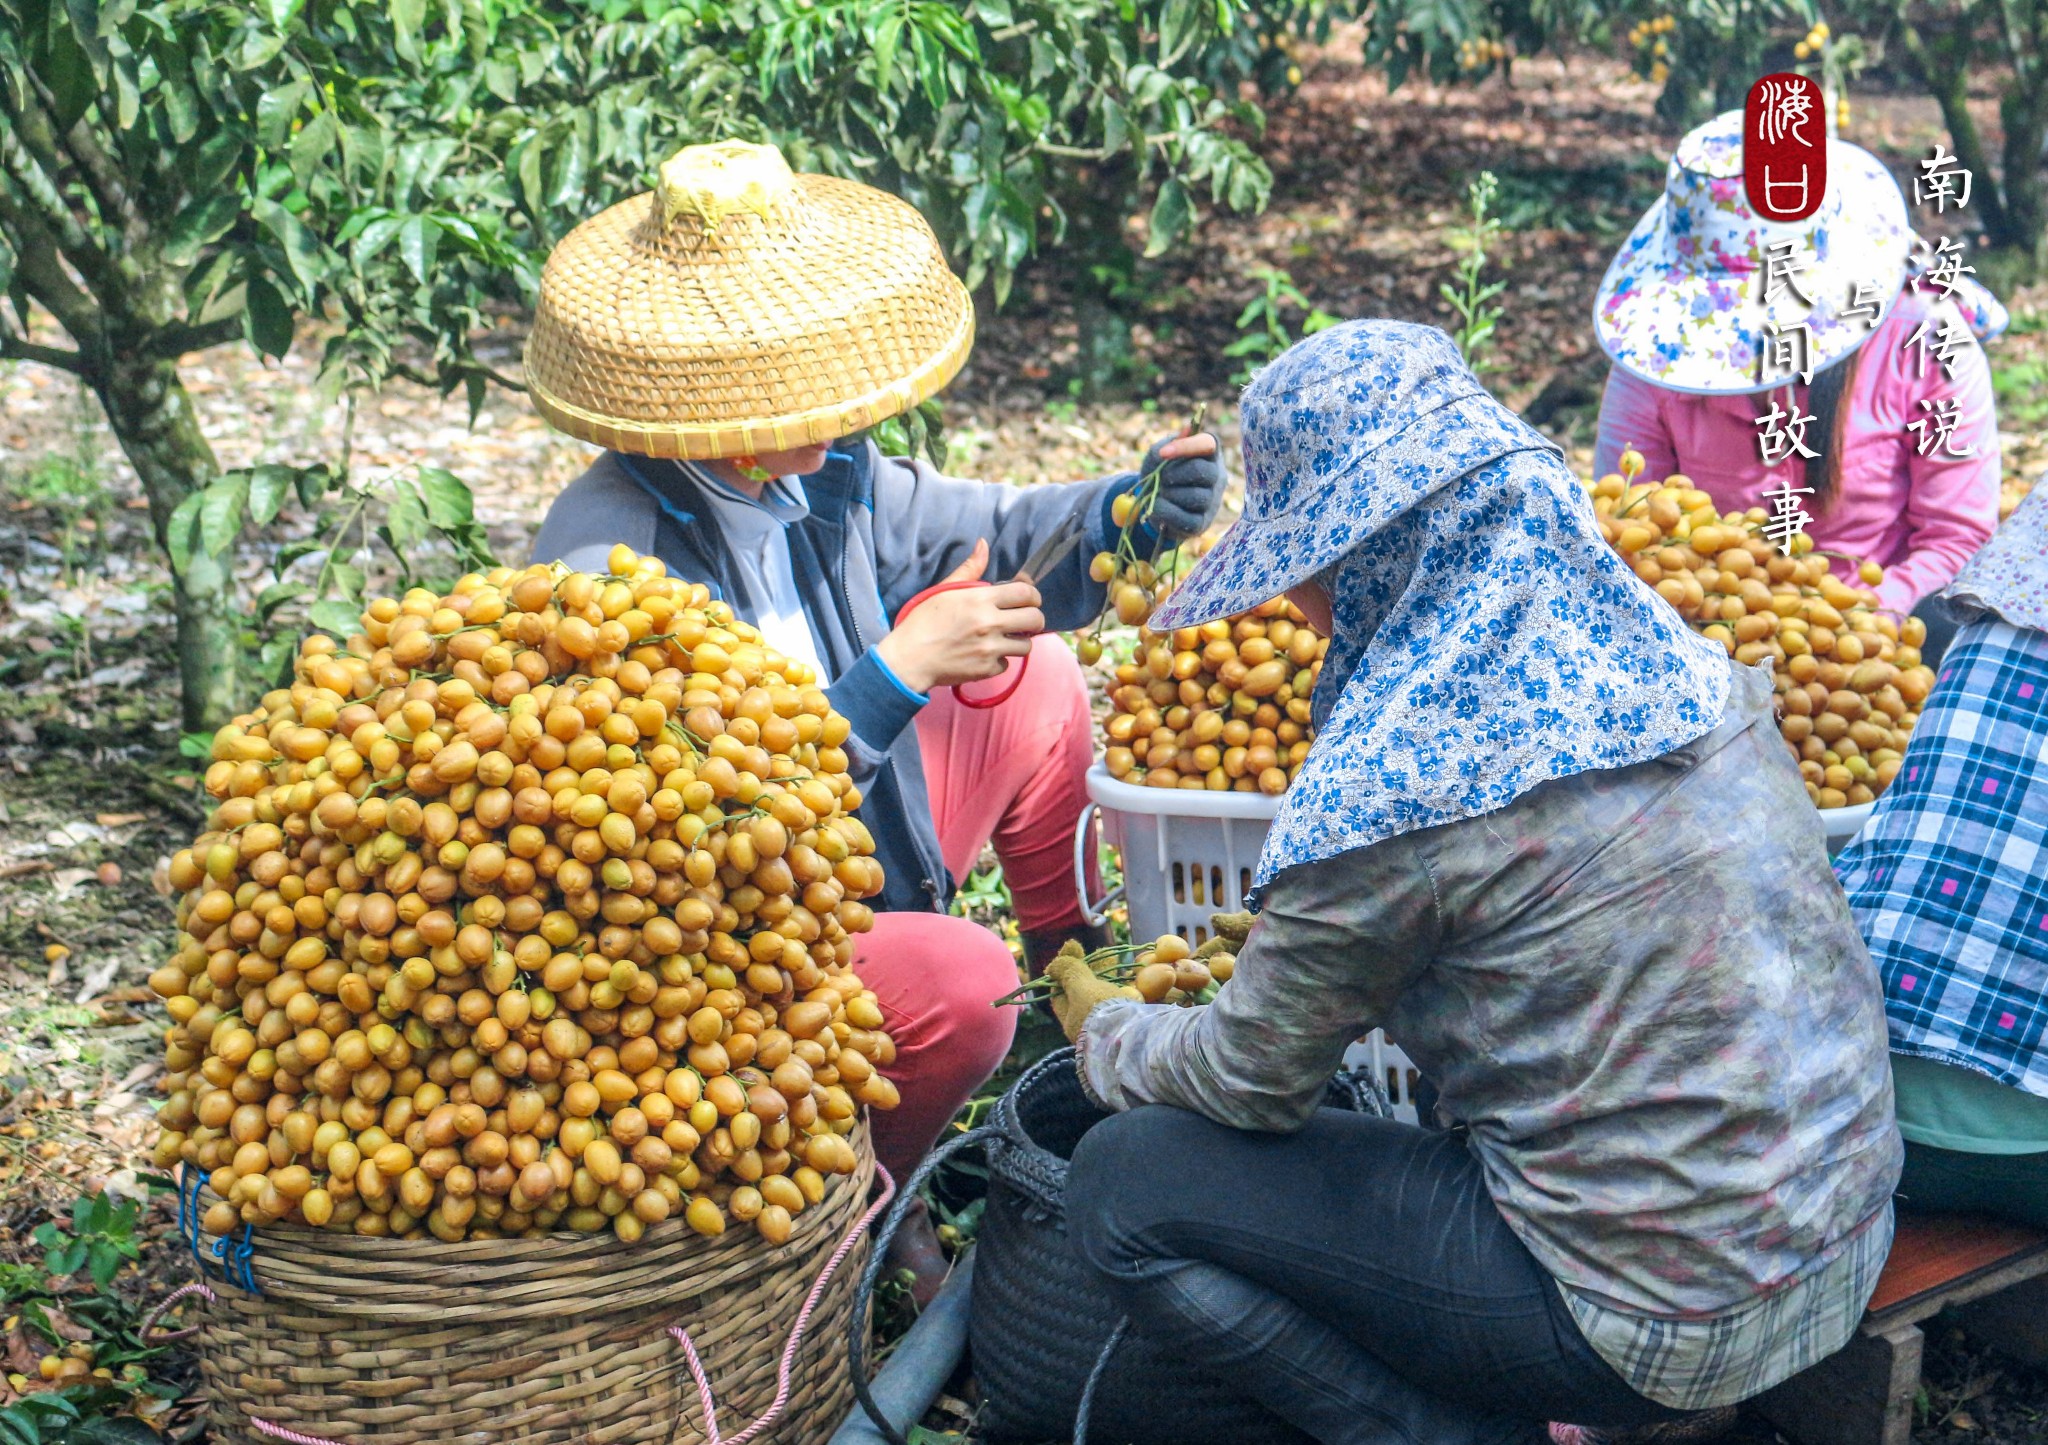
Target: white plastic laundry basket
[1187, 855]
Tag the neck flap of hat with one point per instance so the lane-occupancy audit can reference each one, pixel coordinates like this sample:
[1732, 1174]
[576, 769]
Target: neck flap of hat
[1485, 638]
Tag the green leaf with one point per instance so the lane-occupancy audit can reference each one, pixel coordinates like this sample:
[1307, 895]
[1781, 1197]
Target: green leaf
[181, 109]
[267, 318]
[532, 186]
[220, 511]
[335, 616]
[418, 239]
[405, 520]
[301, 250]
[269, 485]
[257, 49]
[104, 1265]
[375, 237]
[178, 532]
[275, 596]
[501, 78]
[195, 745]
[201, 223]
[448, 498]
[1172, 214]
[276, 109]
[407, 16]
[347, 579]
[310, 147]
[68, 73]
[1176, 25]
[887, 35]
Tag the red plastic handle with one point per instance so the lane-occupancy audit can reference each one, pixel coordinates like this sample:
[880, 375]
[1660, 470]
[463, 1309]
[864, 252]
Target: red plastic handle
[996, 699]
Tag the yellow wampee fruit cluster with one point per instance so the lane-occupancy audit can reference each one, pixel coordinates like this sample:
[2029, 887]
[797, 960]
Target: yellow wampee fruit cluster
[1222, 707]
[528, 908]
[1169, 969]
[1848, 676]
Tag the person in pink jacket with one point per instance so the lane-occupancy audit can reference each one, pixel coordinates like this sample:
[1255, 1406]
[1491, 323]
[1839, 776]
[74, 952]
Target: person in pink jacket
[1751, 354]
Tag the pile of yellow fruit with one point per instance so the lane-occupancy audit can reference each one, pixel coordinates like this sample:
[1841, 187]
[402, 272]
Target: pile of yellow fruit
[1848, 676]
[528, 908]
[1222, 707]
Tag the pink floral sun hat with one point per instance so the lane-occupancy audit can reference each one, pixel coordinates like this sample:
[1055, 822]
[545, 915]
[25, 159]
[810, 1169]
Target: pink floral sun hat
[1682, 304]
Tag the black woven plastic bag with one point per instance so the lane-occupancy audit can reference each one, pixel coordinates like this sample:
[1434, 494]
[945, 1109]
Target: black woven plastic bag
[1039, 1321]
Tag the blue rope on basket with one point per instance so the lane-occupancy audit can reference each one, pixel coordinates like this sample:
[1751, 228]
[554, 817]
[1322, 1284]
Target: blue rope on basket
[233, 1255]
[188, 1216]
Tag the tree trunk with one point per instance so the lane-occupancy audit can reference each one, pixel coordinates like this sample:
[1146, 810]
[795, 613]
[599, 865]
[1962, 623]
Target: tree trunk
[152, 416]
[1942, 58]
[2024, 115]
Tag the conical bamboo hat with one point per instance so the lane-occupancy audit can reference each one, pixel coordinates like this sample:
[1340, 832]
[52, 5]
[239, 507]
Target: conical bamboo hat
[740, 309]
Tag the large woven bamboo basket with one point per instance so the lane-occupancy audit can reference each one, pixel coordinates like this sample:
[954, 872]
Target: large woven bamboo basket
[533, 1342]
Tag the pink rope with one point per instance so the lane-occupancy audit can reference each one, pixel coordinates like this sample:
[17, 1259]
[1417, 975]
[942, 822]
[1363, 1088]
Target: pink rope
[704, 1394]
[292, 1435]
[165, 1308]
[796, 1335]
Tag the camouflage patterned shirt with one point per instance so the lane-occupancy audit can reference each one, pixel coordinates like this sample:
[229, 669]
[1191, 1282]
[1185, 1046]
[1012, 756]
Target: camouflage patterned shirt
[1642, 994]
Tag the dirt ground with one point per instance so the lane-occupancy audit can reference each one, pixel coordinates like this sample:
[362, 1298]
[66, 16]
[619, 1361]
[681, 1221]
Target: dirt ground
[94, 793]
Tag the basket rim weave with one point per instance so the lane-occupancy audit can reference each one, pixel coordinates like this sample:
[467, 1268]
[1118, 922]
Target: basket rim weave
[562, 1274]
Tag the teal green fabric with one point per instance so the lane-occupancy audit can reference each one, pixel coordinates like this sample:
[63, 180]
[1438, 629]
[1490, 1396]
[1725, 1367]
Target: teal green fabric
[1950, 1107]
[2011, 1187]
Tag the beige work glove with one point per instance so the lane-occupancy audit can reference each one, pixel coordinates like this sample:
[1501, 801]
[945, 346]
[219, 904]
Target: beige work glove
[1079, 992]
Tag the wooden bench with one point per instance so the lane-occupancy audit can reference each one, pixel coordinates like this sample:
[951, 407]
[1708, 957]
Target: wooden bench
[1864, 1394]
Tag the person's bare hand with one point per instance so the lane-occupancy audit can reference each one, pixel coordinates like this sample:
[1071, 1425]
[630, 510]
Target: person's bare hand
[965, 635]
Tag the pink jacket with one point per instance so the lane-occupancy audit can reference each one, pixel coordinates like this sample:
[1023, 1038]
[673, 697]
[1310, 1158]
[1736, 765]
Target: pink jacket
[1919, 517]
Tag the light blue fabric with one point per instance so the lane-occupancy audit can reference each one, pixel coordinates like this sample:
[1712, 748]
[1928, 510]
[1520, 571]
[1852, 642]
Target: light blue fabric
[909, 692]
[1486, 639]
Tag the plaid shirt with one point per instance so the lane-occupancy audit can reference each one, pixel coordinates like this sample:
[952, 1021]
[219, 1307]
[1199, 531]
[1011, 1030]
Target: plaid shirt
[1949, 879]
[1701, 1364]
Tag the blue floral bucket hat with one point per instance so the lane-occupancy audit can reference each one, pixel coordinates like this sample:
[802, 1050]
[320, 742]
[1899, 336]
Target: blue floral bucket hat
[1682, 303]
[1343, 433]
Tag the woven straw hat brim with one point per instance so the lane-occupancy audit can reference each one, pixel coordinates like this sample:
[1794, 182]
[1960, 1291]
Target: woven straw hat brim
[766, 333]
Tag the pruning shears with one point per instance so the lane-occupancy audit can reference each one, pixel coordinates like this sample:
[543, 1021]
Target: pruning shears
[1046, 556]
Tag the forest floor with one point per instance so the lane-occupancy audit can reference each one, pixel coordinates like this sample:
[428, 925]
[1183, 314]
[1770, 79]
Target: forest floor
[95, 793]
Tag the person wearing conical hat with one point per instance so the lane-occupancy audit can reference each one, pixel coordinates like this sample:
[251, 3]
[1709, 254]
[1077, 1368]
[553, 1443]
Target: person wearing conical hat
[722, 339]
[1904, 431]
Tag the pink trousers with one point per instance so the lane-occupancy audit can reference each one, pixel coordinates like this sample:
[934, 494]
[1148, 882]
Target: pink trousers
[1012, 776]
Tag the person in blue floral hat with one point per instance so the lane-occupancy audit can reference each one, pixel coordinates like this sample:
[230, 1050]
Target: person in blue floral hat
[1548, 837]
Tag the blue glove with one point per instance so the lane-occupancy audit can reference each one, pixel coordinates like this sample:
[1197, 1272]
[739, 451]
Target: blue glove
[1190, 491]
